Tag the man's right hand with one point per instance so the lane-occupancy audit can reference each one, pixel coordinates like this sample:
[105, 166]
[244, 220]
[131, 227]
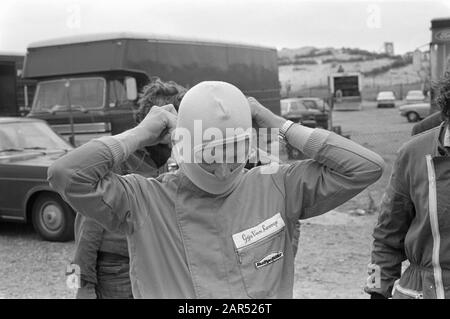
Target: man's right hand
[157, 126]
[262, 116]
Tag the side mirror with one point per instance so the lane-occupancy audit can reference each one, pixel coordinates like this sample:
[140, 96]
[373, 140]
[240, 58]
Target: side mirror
[131, 88]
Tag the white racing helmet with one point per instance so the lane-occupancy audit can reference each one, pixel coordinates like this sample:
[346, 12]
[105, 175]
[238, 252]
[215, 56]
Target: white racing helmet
[214, 121]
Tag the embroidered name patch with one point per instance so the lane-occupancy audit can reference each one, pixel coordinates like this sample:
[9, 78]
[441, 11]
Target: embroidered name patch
[259, 232]
[269, 259]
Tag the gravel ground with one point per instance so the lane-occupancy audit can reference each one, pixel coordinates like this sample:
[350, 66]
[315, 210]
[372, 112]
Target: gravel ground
[31, 267]
[333, 252]
[333, 256]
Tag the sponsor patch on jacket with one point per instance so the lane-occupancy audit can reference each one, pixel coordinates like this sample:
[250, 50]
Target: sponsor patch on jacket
[271, 258]
[259, 232]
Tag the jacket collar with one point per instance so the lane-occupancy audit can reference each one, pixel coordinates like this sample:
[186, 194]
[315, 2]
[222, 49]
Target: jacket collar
[186, 184]
[442, 140]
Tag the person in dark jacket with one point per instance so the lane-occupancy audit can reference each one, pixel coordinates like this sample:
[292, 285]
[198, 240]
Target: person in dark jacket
[431, 121]
[415, 217]
[102, 255]
[103, 260]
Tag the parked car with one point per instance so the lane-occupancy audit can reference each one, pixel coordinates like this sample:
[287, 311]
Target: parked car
[415, 96]
[305, 111]
[322, 118]
[385, 99]
[27, 148]
[415, 112]
[316, 103]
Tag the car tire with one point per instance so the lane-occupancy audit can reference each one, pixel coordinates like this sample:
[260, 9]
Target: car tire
[52, 218]
[412, 117]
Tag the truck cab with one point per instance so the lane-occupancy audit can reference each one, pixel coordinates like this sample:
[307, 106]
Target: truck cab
[98, 104]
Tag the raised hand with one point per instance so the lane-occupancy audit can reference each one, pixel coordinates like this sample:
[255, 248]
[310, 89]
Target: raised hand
[262, 116]
[157, 126]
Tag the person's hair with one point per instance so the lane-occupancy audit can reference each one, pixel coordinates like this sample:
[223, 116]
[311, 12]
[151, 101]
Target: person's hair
[443, 95]
[158, 93]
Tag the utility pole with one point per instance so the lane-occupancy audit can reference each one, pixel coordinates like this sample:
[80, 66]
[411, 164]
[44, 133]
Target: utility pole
[331, 105]
[72, 131]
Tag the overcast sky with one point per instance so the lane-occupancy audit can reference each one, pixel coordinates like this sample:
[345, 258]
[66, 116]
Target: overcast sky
[278, 23]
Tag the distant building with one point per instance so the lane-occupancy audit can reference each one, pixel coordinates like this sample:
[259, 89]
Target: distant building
[389, 48]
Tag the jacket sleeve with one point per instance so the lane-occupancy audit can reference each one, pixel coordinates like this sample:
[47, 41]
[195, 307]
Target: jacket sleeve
[337, 171]
[85, 179]
[396, 214]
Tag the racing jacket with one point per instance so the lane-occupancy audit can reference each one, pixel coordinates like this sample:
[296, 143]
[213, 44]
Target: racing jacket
[186, 243]
[414, 222]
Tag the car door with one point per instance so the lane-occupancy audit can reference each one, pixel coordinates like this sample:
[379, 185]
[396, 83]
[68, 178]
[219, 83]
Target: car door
[423, 110]
[11, 192]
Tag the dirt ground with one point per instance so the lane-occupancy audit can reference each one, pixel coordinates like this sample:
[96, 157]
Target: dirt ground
[333, 252]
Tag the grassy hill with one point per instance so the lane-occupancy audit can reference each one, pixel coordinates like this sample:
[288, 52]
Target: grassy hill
[308, 67]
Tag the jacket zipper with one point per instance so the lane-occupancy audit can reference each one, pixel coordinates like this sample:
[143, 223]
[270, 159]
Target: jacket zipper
[432, 209]
[409, 292]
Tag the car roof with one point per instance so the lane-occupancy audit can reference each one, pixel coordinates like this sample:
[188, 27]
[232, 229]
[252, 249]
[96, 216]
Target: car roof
[310, 98]
[297, 99]
[415, 104]
[10, 119]
[290, 99]
[415, 91]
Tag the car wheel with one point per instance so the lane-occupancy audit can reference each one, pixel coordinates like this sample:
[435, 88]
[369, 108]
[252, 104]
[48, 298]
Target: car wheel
[52, 218]
[412, 117]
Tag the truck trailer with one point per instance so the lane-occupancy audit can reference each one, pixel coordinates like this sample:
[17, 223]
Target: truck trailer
[88, 85]
[15, 92]
[345, 90]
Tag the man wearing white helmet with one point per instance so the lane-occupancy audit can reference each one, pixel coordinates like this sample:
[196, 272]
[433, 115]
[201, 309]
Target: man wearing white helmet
[212, 229]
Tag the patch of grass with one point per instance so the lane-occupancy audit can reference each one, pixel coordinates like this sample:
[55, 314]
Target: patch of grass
[397, 63]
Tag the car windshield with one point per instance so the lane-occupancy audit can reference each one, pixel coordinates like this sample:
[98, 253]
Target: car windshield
[297, 106]
[21, 136]
[385, 95]
[84, 94]
[418, 94]
[309, 104]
